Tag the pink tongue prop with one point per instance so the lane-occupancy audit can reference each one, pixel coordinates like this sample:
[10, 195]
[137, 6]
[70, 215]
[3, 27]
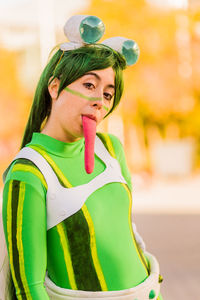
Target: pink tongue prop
[89, 130]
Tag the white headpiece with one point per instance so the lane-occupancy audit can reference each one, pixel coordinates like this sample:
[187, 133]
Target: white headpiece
[82, 30]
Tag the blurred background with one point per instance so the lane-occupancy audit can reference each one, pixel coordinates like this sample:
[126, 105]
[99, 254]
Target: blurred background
[158, 119]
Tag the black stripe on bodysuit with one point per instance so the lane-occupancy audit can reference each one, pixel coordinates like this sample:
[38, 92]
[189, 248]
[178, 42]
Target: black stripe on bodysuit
[14, 203]
[79, 246]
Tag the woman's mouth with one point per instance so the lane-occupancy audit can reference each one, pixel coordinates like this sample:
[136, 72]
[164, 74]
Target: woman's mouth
[91, 117]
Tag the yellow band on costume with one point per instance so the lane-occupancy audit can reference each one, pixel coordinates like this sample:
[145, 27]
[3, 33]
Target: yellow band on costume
[20, 242]
[67, 256]
[31, 169]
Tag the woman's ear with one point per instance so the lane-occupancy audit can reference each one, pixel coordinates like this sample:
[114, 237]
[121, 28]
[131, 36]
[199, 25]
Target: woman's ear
[53, 87]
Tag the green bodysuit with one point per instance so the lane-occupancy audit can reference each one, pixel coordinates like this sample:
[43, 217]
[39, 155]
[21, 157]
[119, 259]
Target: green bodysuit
[92, 250]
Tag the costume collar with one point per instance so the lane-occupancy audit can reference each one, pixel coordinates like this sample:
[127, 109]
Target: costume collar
[55, 146]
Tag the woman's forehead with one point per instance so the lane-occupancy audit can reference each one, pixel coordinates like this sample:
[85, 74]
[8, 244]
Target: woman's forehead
[106, 75]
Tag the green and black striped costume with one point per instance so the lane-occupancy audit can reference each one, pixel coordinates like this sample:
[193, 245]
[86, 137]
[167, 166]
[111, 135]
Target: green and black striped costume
[92, 250]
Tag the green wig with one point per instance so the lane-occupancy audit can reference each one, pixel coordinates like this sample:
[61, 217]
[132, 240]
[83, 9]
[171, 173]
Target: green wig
[69, 66]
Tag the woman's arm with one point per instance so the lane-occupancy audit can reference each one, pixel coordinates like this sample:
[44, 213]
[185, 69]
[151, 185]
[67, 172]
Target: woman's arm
[24, 220]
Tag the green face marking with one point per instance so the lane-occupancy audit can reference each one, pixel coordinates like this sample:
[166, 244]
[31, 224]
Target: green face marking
[105, 108]
[85, 97]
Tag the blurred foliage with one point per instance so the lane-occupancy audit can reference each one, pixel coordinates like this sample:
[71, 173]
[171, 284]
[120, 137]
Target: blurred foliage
[13, 98]
[14, 104]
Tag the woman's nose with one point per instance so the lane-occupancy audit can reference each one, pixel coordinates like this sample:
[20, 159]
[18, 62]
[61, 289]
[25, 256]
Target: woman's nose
[98, 103]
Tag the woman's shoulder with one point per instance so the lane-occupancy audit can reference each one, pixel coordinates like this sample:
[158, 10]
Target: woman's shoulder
[26, 171]
[112, 143]
[116, 149]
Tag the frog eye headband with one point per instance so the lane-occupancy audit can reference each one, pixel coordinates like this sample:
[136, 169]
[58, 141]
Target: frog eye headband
[83, 30]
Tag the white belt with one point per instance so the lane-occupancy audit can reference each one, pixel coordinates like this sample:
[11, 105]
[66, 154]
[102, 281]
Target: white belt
[149, 289]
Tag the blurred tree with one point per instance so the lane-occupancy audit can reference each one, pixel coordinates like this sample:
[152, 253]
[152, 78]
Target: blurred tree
[13, 97]
[14, 103]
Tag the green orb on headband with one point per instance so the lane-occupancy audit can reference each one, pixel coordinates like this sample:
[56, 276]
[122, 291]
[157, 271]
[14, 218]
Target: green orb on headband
[91, 29]
[131, 51]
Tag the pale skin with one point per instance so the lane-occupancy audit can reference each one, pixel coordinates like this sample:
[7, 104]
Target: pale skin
[65, 120]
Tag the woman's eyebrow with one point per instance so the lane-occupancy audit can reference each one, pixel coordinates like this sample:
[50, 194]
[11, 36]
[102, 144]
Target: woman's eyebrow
[99, 78]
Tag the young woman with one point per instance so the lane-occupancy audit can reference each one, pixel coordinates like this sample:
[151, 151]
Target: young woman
[67, 209]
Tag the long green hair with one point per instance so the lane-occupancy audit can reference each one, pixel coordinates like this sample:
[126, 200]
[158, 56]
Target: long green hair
[68, 66]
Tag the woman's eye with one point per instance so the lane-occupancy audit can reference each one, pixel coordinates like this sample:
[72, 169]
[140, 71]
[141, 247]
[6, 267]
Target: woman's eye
[89, 85]
[108, 96]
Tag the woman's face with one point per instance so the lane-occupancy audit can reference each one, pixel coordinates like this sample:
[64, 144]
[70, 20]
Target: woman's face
[65, 120]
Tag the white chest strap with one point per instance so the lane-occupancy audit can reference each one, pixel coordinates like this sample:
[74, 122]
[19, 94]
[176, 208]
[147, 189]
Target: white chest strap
[63, 202]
